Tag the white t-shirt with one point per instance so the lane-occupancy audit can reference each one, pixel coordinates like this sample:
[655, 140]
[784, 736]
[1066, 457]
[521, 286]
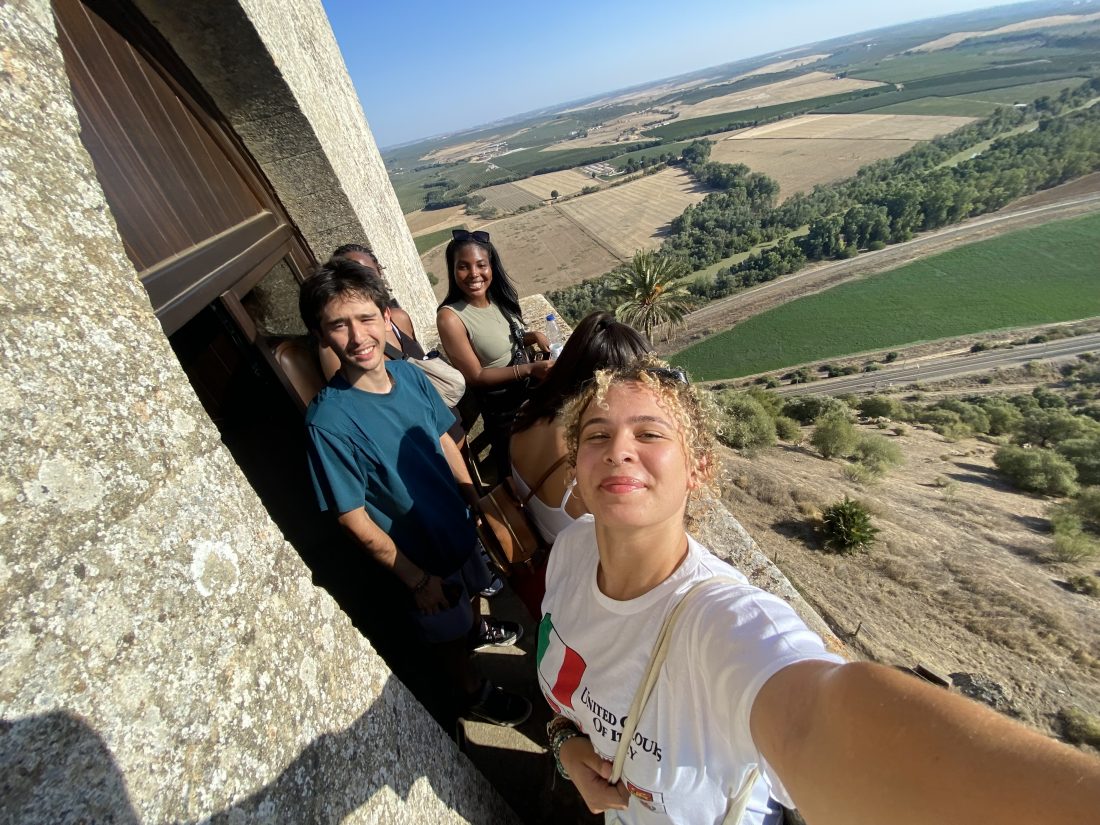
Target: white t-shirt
[692, 747]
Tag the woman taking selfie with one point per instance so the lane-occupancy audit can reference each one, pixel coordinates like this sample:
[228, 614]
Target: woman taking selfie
[538, 449]
[747, 704]
[481, 328]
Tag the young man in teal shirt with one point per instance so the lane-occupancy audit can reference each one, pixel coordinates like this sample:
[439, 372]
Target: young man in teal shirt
[381, 459]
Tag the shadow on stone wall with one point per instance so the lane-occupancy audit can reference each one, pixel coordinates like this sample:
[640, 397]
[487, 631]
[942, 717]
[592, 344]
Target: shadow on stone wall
[55, 768]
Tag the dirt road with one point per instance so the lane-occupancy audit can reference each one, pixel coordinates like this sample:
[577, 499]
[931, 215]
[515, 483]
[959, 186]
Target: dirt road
[722, 314]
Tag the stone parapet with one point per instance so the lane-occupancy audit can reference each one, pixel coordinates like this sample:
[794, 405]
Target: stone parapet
[164, 656]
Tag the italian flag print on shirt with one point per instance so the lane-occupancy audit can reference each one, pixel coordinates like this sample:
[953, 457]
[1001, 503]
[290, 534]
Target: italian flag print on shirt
[560, 667]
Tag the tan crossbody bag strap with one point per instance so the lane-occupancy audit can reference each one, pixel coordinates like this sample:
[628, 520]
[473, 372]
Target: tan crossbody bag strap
[542, 480]
[738, 801]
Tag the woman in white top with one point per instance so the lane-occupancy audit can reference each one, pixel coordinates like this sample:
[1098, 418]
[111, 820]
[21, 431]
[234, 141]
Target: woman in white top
[538, 440]
[747, 690]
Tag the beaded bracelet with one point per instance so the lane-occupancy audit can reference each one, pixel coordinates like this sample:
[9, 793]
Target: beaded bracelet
[560, 730]
[556, 725]
[420, 585]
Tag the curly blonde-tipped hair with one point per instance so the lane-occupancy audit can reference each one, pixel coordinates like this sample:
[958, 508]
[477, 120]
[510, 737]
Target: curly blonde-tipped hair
[691, 409]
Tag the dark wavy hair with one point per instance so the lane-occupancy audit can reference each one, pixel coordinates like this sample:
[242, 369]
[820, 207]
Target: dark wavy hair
[598, 342]
[339, 278]
[502, 291]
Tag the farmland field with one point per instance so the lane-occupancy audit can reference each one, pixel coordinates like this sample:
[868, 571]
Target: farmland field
[803, 87]
[942, 106]
[799, 164]
[1027, 92]
[856, 127]
[1034, 276]
[531, 161]
[681, 129]
[955, 38]
[542, 250]
[628, 217]
[433, 239]
[568, 182]
[654, 151]
[423, 221]
[969, 84]
[508, 197]
[805, 151]
[979, 104]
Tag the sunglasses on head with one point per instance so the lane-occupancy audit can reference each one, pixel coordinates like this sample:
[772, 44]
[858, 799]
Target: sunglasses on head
[673, 374]
[462, 235]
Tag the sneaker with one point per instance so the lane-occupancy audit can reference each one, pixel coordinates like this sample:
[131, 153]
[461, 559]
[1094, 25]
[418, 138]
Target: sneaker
[496, 633]
[495, 586]
[499, 707]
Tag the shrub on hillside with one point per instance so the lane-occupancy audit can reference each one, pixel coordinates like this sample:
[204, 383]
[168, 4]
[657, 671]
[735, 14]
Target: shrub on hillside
[745, 425]
[1073, 547]
[771, 402]
[1079, 727]
[973, 416]
[834, 435]
[1084, 584]
[1047, 398]
[788, 430]
[1084, 455]
[1087, 507]
[878, 406]
[1036, 470]
[947, 423]
[877, 454]
[1050, 427]
[1004, 418]
[808, 408]
[800, 376]
[846, 527]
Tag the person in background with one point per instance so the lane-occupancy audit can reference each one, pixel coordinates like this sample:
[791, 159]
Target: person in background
[403, 334]
[748, 704]
[381, 460]
[538, 449]
[480, 326]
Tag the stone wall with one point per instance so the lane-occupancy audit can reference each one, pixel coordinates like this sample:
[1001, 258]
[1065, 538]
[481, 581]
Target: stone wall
[274, 70]
[163, 653]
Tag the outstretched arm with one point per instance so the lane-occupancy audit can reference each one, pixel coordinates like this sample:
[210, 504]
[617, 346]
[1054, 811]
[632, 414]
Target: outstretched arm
[863, 744]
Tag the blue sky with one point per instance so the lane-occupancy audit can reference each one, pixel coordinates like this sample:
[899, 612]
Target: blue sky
[425, 68]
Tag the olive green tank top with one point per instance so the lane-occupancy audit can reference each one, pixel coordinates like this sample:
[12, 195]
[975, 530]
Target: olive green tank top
[488, 331]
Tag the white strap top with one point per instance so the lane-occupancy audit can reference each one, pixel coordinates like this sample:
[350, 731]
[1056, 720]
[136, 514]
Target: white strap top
[549, 520]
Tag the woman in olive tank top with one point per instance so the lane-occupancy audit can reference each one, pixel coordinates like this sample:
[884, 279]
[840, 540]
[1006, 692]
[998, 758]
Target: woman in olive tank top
[480, 327]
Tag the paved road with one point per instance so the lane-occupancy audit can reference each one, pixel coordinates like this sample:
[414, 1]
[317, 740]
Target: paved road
[947, 366]
[722, 314]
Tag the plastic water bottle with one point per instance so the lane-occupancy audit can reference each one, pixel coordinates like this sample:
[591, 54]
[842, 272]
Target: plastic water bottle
[553, 335]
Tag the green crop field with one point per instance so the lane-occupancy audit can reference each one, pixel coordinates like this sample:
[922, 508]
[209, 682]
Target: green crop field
[653, 151]
[937, 106]
[534, 161]
[1034, 276]
[980, 103]
[974, 86]
[434, 239]
[1028, 92]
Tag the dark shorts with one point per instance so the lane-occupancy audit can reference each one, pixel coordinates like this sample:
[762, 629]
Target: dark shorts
[456, 622]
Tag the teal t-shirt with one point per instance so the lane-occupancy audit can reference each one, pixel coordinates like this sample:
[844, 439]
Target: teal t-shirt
[381, 452]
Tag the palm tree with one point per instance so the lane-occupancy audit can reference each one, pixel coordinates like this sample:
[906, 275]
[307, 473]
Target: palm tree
[648, 294]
